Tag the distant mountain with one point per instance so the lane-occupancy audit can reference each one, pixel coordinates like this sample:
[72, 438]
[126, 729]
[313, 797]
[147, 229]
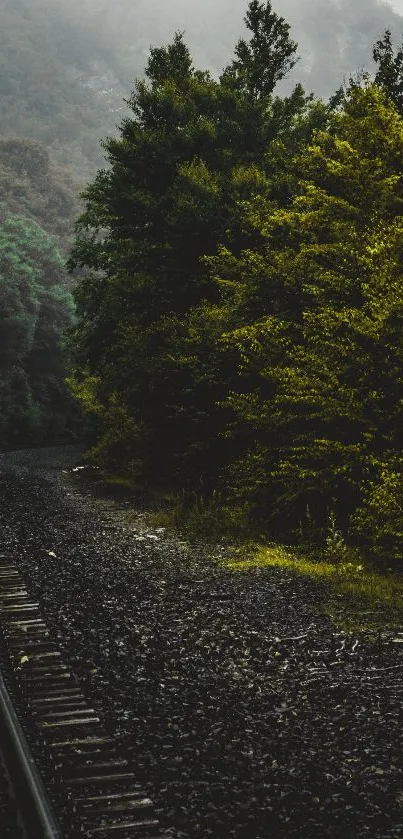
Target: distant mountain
[335, 37]
[58, 83]
[66, 65]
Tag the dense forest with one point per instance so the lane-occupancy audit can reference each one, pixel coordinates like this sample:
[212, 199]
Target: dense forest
[238, 332]
[36, 308]
[237, 263]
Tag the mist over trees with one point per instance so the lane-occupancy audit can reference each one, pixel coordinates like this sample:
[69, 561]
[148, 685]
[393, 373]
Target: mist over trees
[36, 307]
[65, 67]
[334, 37]
[48, 64]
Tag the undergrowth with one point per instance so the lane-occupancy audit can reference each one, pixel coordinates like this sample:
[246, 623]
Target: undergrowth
[202, 519]
[357, 595]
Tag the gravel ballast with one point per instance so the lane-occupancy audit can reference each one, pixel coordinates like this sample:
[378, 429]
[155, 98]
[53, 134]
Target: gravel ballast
[247, 712]
[10, 823]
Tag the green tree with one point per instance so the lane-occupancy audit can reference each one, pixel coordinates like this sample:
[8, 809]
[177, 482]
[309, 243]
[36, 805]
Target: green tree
[389, 74]
[190, 151]
[314, 317]
[265, 59]
[35, 309]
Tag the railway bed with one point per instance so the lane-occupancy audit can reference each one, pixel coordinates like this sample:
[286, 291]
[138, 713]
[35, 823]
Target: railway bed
[11, 822]
[245, 711]
[87, 782]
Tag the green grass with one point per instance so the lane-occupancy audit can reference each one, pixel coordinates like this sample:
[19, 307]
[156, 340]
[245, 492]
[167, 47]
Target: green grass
[355, 596]
[119, 481]
[202, 520]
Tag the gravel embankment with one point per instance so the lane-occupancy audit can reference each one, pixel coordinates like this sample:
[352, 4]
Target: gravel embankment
[9, 820]
[248, 714]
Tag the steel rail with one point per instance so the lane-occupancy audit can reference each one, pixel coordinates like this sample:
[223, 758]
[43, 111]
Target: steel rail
[36, 810]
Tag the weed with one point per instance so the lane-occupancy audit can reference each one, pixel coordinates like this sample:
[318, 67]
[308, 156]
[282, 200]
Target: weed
[204, 519]
[336, 549]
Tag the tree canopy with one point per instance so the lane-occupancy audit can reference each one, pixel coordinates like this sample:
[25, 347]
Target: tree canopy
[35, 310]
[191, 149]
[238, 319]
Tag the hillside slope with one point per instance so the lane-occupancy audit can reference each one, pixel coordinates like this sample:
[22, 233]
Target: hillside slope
[57, 83]
[335, 37]
[35, 188]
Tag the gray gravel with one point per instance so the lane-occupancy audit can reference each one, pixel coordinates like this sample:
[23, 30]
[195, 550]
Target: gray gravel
[9, 819]
[247, 713]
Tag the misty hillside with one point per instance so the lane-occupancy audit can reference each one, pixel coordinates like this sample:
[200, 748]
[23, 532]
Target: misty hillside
[34, 187]
[58, 83]
[66, 67]
[335, 37]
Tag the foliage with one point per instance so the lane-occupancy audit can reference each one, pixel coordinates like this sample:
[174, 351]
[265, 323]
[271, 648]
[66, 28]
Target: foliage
[336, 549]
[35, 308]
[30, 185]
[379, 519]
[265, 59]
[191, 149]
[389, 74]
[239, 331]
[319, 388]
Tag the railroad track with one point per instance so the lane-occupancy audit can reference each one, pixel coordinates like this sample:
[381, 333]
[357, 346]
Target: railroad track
[34, 816]
[92, 787]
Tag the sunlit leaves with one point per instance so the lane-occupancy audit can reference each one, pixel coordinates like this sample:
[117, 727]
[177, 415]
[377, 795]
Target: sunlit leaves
[319, 384]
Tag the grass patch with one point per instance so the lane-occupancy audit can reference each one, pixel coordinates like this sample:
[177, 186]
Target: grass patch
[356, 596]
[119, 481]
[201, 519]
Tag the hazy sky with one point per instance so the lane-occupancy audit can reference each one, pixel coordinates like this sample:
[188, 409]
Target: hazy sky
[66, 49]
[397, 5]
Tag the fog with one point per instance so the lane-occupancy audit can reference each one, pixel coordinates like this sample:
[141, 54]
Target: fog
[66, 66]
[397, 6]
[335, 37]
